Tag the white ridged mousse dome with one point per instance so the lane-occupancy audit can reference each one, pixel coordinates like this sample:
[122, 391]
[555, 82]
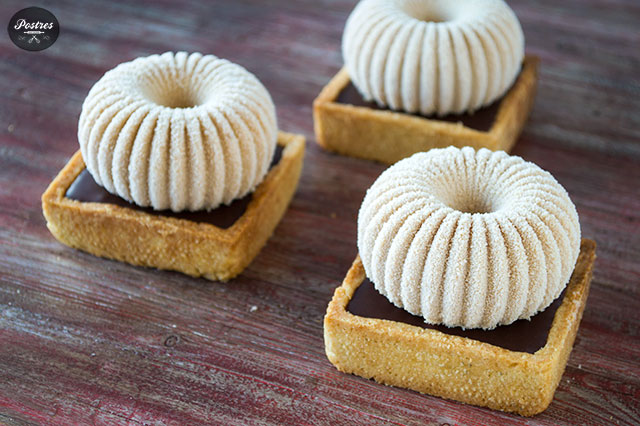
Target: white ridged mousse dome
[468, 238]
[178, 131]
[433, 56]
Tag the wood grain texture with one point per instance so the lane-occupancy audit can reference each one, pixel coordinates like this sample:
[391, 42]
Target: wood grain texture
[90, 341]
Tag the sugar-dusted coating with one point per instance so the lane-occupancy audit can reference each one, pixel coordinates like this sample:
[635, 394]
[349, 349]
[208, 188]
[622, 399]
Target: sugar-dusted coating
[433, 56]
[468, 238]
[178, 131]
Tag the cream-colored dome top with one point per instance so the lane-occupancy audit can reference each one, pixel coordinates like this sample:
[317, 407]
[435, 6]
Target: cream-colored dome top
[178, 131]
[468, 238]
[433, 56]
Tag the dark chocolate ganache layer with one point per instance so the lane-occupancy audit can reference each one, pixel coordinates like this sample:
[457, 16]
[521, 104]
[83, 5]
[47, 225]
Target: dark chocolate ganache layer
[521, 335]
[481, 119]
[85, 188]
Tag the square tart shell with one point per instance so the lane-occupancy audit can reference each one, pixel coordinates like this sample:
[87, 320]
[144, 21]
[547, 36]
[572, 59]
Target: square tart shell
[153, 240]
[388, 136]
[455, 367]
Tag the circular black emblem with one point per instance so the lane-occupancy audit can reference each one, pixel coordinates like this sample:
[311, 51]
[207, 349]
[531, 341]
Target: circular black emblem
[33, 28]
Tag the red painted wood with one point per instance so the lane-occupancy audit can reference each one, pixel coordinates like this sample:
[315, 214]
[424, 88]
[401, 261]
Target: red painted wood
[86, 340]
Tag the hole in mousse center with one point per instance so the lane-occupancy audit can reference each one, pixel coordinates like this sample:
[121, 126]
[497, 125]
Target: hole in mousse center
[171, 93]
[468, 201]
[426, 10]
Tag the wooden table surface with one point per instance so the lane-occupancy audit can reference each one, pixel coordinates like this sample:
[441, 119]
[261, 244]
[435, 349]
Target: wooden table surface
[87, 340]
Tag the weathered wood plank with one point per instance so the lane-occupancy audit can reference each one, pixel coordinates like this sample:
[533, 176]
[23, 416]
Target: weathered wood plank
[88, 340]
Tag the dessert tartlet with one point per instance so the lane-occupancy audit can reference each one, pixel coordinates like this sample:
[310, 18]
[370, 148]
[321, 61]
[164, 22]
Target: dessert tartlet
[470, 282]
[181, 166]
[427, 74]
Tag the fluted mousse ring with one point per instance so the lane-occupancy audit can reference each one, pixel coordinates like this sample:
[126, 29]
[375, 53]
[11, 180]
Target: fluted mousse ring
[433, 56]
[178, 131]
[468, 238]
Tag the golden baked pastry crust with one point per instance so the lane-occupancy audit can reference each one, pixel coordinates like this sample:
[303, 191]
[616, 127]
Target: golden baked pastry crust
[388, 136]
[455, 367]
[196, 249]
